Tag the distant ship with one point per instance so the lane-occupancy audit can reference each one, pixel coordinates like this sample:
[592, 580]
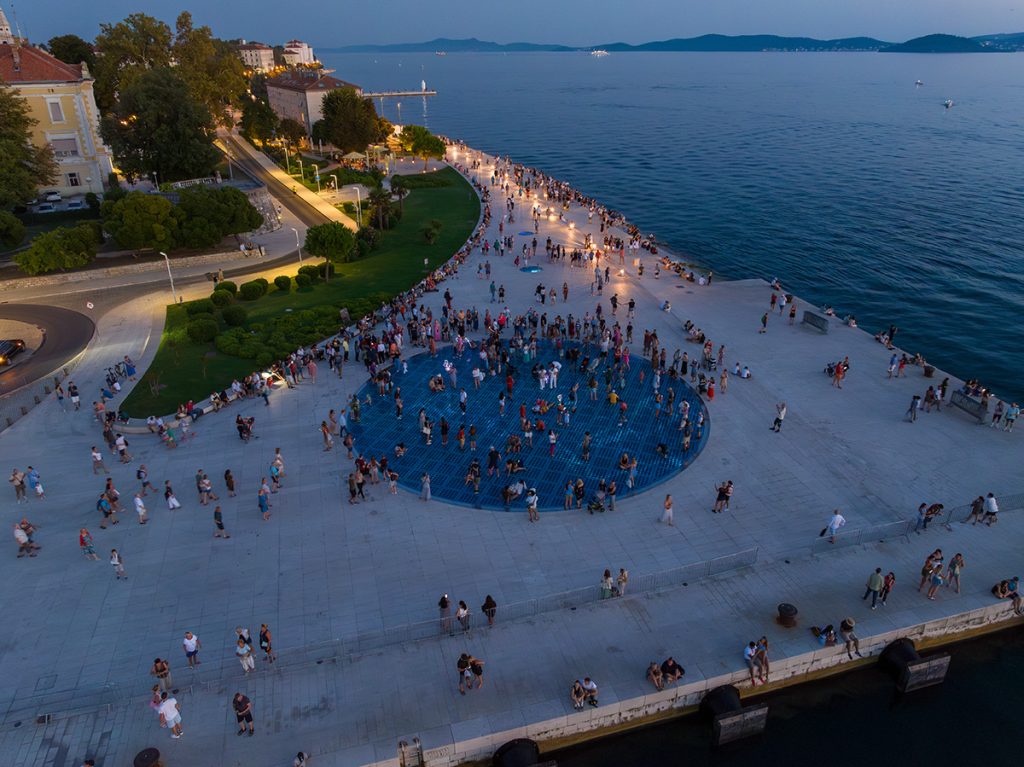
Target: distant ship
[918, 83]
[599, 52]
[440, 53]
[948, 103]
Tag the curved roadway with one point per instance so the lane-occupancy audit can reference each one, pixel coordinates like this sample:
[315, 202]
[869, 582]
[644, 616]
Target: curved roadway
[65, 334]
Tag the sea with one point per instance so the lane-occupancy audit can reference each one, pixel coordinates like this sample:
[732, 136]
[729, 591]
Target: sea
[837, 173]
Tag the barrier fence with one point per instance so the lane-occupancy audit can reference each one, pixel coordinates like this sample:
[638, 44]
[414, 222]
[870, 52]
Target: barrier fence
[20, 401]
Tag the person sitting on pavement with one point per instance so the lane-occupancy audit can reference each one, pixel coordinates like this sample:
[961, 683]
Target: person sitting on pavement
[1007, 589]
[654, 676]
[671, 670]
[577, 694]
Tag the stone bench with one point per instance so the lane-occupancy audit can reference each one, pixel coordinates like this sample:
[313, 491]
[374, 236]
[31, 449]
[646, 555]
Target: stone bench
[816, 321]
[969, 405]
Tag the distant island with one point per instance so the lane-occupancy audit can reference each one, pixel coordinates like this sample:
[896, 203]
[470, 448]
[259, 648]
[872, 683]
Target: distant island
[712, 43]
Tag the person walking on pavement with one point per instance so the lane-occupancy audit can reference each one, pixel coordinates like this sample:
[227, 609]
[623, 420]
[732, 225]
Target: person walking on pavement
[243, 713]
[832, 529]
[666, 514]
[117, 561]
[888, 584]
[140, 509]
[170, 715]
[874, 586]
[780, 416]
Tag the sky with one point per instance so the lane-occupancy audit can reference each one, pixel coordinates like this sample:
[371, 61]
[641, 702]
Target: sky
[572, 22]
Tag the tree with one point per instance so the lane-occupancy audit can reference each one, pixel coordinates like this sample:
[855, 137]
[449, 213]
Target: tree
[292, 131]
[61, 248]
[399, 190]
[23, 167]
[209, 214]
[419, 141]
[350, 121]
[157, 126]
[318, 134]
[333, 241]
[71, 49]
[213, 72]
[141, 220]
[380, 205]
[127, 50]
[258, 123]
[12, 231]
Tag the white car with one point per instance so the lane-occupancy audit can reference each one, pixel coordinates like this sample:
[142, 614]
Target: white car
[52, 196]
[46, 207]
[75, 205]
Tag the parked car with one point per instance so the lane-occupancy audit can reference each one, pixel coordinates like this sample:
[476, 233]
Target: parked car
[10, 348]
[75, 205]
[52, 196]
[46, 207]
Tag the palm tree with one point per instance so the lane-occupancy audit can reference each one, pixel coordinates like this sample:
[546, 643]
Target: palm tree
[399, 190]
[380, 204]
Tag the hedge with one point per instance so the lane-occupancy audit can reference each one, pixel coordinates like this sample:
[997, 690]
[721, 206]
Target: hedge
[227, 285]
[202, 330]
[303, 280]
[200, 306]
[283, 282]
[221, 298]
[234, 315]
[250, 291]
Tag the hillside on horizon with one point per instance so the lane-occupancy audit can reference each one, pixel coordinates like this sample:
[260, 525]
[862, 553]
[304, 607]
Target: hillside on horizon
[938, 43]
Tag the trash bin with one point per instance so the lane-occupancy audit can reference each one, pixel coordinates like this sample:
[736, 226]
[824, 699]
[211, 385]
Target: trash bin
[929, 371]
[787, 614]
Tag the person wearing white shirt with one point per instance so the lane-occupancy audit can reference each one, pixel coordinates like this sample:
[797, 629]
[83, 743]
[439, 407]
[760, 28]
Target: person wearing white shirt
[837, 521]
[170, 715]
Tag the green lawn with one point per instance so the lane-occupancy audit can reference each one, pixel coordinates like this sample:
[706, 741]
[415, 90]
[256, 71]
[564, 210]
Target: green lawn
[185, 370]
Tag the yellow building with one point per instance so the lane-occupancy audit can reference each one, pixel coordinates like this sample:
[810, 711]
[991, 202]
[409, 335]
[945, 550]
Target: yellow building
[60, 98]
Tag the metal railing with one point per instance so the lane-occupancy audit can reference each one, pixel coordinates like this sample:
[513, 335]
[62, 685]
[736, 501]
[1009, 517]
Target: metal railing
[20, 401]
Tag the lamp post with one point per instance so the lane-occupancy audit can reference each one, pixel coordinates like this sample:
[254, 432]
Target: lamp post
[359, 208]
[287, 162]
[297, 246]
[302, 173]
[170, 276]
[335, 175]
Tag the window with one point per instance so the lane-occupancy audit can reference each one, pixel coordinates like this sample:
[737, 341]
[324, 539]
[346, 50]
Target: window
[56, 113]
[74, 180]
[64, 147]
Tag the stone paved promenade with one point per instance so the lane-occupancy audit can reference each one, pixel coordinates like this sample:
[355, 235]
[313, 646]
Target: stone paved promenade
[326, 575]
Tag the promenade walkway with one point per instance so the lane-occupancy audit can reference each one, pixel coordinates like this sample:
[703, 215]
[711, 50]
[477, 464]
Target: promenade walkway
[323, 573]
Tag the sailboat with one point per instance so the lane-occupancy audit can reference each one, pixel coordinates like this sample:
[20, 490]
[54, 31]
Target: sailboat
[599, 52]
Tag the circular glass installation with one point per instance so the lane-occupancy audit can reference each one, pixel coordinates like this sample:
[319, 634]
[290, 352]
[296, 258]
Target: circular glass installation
[645, 431]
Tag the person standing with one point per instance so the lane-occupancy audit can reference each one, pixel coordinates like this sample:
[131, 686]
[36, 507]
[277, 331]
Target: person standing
[161, 669]
[622, 580]
[425, 487]
[444, 607]
[97, 462]
[117, 561]
[85, 543]
[936, 578]
[170, 715]
[888, 584]
[462, 669]
[874, 586]
[956, 564]
[832, 529]
[724, 493]
[140, 509]
[229, 481]
[267, 644]
[142, 474]
[263, 501]
[476, 668]
[218, 524]
[531, 504]
[243, 713]
[244, 653]
[764, 323]
[780, 416]
[462, 614]
[666, 514]
[191, 646]
[489, 608]
[169, 496]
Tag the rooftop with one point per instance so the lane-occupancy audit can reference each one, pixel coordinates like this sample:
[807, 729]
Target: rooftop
[26, 64]
[294, 81]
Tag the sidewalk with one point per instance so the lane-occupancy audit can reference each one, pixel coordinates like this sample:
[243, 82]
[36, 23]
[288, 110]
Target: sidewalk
[321, 572]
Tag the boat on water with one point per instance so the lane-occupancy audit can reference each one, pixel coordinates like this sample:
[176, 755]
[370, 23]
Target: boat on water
[918, 83]
[599, 52]
[948, 103]
[440, 53]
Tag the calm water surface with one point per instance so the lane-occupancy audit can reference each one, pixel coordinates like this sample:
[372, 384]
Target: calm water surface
[831, 171]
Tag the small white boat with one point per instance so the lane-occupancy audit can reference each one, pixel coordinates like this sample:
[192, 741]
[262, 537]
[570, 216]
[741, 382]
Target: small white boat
[948, 103]
[440, 53]
[599, 52]
[918, 83]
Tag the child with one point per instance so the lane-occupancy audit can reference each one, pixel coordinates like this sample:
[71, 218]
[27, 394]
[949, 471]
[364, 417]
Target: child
[393, 482]
[118, 563]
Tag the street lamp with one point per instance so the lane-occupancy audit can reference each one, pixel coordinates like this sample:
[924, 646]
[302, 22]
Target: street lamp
[297, 246]
[170, 276]
[359, 208]
[287, 162]
[399, 105]
[302, 173]
[156, 181]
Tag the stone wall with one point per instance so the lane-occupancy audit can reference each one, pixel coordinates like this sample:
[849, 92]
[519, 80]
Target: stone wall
[554, 723]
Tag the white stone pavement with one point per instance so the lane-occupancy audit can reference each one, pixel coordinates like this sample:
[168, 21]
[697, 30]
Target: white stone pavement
[321, 570]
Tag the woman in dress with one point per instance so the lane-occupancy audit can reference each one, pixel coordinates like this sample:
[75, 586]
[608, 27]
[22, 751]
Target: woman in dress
[666, 515]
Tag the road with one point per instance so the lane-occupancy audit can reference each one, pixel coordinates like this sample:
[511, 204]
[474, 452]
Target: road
[284, 195]
[65, 334]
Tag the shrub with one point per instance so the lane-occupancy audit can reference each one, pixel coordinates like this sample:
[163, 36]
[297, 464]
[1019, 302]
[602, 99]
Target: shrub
[201, 306]
[311, 271]
[221, 298]
[362, 248]
[60, 249]
[234, 315]
[202, 330]
[264, 282]
[227, 285]
[92, 201]
[250, 291]
[283, 282]
[12, 230]
[303, 280]
[369, 235]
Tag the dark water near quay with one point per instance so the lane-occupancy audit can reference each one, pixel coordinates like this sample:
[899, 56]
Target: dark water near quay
[832, 171]
[854, 720]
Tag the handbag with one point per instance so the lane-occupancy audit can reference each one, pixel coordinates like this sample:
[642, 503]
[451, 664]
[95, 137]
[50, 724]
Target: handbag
[822, 533]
